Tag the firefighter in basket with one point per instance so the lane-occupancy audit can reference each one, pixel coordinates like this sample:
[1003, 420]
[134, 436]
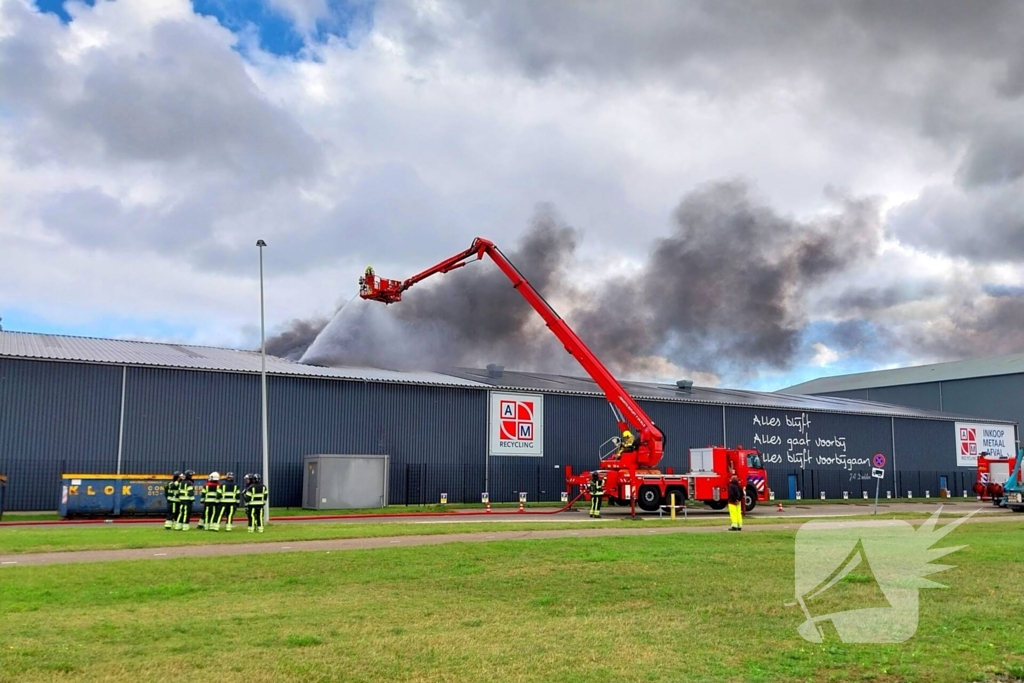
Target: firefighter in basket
[628, 443]
[366, 282]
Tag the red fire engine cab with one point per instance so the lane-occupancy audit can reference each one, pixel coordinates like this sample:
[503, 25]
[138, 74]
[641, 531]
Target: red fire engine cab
[993, 471]
[630, 474]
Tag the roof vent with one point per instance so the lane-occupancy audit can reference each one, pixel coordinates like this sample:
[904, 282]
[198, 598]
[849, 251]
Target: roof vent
[684, 385]
[495, 371]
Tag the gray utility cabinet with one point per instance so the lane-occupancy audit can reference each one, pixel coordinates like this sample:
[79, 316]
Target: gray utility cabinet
[335, 482]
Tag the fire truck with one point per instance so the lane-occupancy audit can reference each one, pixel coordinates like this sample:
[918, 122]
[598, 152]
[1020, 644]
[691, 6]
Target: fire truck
[630, 475]
[1013, 489]
[993, 472]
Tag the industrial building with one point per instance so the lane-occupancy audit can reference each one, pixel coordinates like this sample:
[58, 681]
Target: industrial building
[993, 387]
[74, 404]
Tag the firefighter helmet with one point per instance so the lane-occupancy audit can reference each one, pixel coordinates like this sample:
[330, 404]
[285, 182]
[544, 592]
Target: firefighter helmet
[595, 476]
[230, 476]
[176, 475]
[214, 476]
[627, 437]
[256, 478]
[189, 474]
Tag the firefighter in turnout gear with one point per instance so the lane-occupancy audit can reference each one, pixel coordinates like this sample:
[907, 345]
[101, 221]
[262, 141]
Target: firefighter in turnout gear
[255, 497]
[186, 497]
[171, 493]
[211, 502]
[228, 502]
[735, 504]
[627, 443]
[596, 490]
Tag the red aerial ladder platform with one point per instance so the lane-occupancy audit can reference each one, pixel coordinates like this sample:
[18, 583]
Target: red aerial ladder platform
[630, 477]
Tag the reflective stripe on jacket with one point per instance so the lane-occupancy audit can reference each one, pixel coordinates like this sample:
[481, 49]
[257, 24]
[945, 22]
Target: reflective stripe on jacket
[186, 491]
[211, 493]
[229, 493]
[256, 495]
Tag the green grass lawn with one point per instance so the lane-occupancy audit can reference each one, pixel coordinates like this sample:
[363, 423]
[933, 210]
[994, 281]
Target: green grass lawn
[31, 539]
[648, 608]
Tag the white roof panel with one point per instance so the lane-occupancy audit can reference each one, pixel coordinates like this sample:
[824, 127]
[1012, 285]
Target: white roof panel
[152, 354]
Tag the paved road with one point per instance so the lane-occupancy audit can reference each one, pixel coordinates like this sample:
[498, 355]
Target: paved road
[327, 546]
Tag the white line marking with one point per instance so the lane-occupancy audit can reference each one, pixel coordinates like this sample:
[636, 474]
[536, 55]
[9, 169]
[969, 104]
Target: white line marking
[286, 547]
[8, 563]
[396, 541]
[159, 554]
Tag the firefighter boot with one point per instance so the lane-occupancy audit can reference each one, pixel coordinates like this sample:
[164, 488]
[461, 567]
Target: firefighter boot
[168, 524]
[252, 530]
[184, 527]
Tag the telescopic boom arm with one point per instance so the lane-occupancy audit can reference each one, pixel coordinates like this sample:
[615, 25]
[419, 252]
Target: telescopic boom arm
[628, 413]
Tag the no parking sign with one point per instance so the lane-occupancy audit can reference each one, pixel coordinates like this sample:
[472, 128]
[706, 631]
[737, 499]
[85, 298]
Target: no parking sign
[878, 460]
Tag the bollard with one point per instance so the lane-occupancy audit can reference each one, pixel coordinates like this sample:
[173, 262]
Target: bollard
[771, 494]
[798, 495]
[565, 496]
[444, 499]
[486, 499]
[888, 494]
[927, 494]
[846, 495]
[865, 494]
[910, 494]
[823, 495]
[672, 501]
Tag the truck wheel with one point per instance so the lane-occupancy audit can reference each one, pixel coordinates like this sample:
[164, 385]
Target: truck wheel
[750, 499]
[680, 496]
[649, 499]
[716, 504]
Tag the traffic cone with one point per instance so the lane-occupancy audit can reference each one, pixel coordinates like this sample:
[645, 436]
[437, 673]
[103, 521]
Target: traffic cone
[780, 506]
[520, 506]
[488, 506]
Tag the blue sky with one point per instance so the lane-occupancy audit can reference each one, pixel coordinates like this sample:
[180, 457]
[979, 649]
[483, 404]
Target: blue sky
[277, 32]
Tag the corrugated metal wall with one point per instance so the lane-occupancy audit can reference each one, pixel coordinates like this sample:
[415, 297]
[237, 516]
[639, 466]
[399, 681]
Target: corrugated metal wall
[66, 416]
[999, 397]
[436, 436]
[52, 413]
[925, 396]
[825, 451]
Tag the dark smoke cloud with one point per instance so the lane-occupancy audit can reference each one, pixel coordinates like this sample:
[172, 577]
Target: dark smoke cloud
[470, 317]
[739, 273]
[724, 292]
[296, 338]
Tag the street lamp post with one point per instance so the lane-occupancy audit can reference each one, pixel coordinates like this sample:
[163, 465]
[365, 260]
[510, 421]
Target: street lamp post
[263, 387]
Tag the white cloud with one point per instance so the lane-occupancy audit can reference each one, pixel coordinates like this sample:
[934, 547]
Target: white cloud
[823, 355]
[137, 145]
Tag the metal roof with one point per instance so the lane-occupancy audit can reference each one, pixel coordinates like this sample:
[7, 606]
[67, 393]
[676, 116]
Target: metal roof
[703, 395]
[26, 345]
[918, 374]
[31, 346]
